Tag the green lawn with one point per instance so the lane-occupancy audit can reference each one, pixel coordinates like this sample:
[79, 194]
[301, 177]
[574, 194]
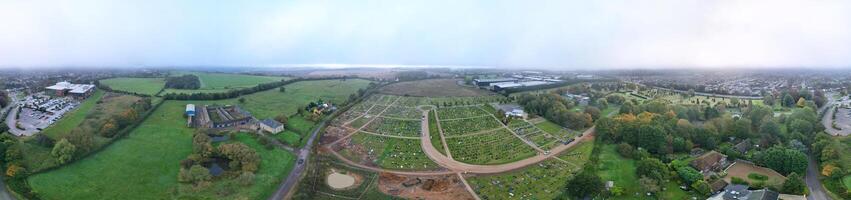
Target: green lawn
[73, 119]
[615, 168]
[144, 165]
[149, 86]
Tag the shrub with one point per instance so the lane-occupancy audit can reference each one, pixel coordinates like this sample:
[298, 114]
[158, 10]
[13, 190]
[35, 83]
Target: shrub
[245, 179]
[739, 181]
[758, 177]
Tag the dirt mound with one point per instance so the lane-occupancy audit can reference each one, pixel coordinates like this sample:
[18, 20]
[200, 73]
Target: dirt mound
[423, 187]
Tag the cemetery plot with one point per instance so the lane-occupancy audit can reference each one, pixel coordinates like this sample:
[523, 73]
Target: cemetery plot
[468, 125]
[434, 133]
[447, 113]
[531, 133]
[540, 181]
[381, 99]
[403, 112]
[556, 131]
[412, 101]
[388, 152]
[360, 121]
[397, 127]
[360, 108]
[456, 101]
[376, 110]
[496, 147]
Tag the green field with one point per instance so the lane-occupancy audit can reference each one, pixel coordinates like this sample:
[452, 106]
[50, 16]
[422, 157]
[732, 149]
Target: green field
[149, 86]
[222, 82]
[145, 163]
[73, 119]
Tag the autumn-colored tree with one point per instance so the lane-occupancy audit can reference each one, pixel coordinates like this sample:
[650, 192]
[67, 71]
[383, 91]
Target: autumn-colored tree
[109, 128]
[15, 171]
[241, 156]
[801, 102]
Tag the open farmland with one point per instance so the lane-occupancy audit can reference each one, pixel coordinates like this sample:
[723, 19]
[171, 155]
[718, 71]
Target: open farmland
[433, 88]
[222, 82]
[146, 86]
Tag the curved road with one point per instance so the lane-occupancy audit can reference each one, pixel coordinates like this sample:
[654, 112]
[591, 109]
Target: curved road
[456, 166]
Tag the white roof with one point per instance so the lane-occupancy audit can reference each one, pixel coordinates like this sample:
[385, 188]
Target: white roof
[75, 88]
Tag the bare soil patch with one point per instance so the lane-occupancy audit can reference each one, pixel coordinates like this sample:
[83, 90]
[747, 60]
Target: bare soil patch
[342, 180]
[423, 187]
[433, 88]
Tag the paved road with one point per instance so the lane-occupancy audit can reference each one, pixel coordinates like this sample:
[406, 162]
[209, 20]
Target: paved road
[303, 154]
[812, 177]
[816, 189]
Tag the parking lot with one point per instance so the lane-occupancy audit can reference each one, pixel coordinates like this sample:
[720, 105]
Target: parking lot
[38, 112]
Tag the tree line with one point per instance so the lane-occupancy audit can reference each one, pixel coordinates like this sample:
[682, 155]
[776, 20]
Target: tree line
[188, 81]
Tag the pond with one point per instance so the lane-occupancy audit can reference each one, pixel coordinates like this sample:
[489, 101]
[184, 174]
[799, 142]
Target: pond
[340, 181]
[218, 138]
[217, 166]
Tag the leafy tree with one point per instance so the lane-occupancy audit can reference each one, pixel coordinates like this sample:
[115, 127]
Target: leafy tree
[594, 112]
[794, 185]
[711, 112]
[702, 187]
[282, 118]
[628, 107]
[241, 156]
[770, 127]
[649, 184]
[801, 126]
[63, 151]
[202, 145]
[757, 113]
[801, 102]
[242, 100]
[652, 168]
[742, 128]
[782, 159]
[788, 101]
[198, 174]
[584, 184]
[282, 89]
[246, 178]
[109, 128]
[82, 140]
[689, 174]
[768, 100]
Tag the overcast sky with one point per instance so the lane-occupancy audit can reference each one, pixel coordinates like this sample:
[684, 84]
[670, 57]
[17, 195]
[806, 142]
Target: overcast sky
[565, 34]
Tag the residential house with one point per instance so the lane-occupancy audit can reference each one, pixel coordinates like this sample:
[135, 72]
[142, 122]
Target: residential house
[710, 162]
[271, 126]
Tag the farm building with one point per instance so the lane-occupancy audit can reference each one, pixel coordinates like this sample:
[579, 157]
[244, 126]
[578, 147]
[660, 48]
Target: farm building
[518, 113]
[65, 88]
[222, 117]
[190, 110]
[271, 126]
[489, 82]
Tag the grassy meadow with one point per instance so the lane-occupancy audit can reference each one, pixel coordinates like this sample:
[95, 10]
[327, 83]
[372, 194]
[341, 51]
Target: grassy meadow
[149, 86]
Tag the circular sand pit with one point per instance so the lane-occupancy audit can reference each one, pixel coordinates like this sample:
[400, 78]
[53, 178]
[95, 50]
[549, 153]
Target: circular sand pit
[340, 181]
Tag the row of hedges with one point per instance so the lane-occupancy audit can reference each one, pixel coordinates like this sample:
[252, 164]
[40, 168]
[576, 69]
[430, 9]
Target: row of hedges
[240, 92]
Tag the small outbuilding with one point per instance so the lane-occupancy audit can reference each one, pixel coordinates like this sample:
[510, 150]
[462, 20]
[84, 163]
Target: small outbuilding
[190, 110]
[271, 126]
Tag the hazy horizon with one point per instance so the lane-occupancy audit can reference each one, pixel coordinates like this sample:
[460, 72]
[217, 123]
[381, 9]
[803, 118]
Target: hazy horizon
[519, 34]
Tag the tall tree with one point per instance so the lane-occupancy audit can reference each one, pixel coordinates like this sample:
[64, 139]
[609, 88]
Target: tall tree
[584, 184]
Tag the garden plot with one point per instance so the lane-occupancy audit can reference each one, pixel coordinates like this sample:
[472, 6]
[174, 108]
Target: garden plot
[360, 108]
[397, 127]
[382, 99]
[468, 125]
[388, 152]
[403, 112]
[447, 113]
[540, 181]
[532, 133]
[495, 147]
